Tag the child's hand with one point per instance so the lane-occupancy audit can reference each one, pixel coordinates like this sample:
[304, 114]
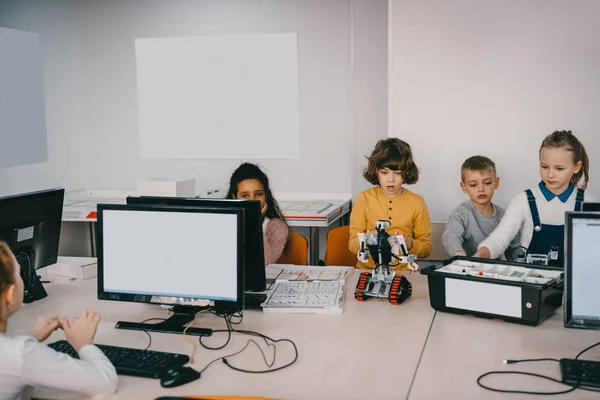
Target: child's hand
[82, 330]
[460, 253]
[409, 242]
[44, 326]
[483, 252]
[263, 209]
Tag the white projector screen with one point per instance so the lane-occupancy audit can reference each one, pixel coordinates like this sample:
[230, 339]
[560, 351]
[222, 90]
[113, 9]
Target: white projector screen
[22, 111]
[218, 97]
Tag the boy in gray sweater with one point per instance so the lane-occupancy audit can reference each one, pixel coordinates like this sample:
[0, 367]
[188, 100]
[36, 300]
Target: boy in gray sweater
[472, 221]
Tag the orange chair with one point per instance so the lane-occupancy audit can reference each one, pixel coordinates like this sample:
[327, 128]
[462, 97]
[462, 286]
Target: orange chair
[296, 251]
[337, 248]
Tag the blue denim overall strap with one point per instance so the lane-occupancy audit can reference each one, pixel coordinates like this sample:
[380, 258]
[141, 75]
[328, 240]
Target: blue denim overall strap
[546, 236]
[579, 199]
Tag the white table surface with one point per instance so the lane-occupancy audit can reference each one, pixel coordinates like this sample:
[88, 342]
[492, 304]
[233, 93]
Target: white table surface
[341, 356]
[373, 350]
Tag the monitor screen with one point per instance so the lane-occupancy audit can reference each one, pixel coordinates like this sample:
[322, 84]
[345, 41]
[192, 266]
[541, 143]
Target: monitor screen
[148, 252]
[254, 265]
[582, 272]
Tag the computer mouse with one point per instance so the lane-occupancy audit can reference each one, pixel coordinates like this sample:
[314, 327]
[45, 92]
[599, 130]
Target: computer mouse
[177, 376]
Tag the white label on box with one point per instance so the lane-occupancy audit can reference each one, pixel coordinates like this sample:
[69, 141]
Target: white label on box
[484, 297]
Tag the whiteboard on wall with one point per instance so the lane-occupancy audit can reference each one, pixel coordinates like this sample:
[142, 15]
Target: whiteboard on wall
[22, 111]
[218, 97]
[494, 78]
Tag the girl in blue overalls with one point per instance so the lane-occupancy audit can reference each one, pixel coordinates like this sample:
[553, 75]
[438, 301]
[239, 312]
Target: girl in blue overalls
[538, 214]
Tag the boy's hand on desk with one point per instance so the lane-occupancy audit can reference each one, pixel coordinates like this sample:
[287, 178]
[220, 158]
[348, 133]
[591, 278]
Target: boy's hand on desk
[83, 329]
[44, 326]
[460, 253]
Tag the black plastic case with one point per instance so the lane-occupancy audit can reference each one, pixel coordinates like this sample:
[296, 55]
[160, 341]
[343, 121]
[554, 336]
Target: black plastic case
[521, 293]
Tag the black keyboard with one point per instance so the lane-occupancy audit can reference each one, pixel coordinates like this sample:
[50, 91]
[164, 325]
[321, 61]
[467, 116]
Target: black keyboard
[582, 372]
[135, 362]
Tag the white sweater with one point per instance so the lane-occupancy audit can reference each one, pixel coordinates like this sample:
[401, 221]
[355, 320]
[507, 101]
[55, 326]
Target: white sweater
[518, 219]
[25, 363]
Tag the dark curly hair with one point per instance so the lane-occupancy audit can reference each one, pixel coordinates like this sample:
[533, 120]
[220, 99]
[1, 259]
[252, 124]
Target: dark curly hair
[566, 140]
[394, 154]
[253, 171]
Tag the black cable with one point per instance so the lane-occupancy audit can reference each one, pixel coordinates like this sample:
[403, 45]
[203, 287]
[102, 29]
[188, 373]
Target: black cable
[586, 349]
[523, 391]
[147, 333]
[571, 387]
[228, 330]
[530, 360]
[266, 338]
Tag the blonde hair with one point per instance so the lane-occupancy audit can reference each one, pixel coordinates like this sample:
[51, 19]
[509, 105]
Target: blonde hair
[7, 269]
[567, 141]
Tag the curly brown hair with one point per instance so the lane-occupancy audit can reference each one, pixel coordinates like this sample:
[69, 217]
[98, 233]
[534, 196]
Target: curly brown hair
[394, 154]
[566, 140]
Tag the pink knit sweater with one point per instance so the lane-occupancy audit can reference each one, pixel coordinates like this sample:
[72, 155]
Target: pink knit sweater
[275, 236]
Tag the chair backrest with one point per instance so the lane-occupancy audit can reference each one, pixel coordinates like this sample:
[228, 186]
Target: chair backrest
[296, 251]
[337, 248]
[437, 248]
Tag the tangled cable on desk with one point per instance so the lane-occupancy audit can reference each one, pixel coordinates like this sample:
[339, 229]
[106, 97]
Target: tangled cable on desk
[229, 322]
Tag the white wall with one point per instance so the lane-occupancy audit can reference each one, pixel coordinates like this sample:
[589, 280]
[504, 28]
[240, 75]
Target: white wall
[54, 21]
[91, 106]
[492, 77]
[370, 44]
[106, 47]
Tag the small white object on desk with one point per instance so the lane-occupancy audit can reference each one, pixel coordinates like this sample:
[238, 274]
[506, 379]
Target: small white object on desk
[167, 187]
[74, 267]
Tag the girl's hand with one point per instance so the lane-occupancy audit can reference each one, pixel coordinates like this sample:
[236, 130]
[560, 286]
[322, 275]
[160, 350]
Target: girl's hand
[483, 252]
[263, 209]
[44, 326]
[460, 253]
[82, 330]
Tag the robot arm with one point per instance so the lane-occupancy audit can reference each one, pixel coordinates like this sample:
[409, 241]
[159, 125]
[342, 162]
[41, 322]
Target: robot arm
[363, 253]
[399, 249]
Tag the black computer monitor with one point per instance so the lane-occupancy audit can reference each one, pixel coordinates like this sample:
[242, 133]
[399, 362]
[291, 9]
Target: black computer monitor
[171, 255]
[582, 270]
[30, 225]
[254, 270]
[590, 207]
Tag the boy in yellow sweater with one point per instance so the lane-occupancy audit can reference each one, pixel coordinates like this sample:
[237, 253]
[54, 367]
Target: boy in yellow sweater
[390, 166]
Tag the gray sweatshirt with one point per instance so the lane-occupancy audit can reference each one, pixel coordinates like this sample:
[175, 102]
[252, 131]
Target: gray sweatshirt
[467, 227]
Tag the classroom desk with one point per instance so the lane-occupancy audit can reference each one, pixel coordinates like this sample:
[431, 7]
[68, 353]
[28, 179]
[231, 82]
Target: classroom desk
[370, 351]
[462, 347]
[312, 210]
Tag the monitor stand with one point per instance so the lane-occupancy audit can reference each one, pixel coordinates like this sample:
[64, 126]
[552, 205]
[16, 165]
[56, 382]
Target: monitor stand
[176, 323]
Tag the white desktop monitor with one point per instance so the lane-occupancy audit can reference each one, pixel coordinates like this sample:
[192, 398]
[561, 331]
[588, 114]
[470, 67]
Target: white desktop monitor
[582, 270]
[152, 253]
